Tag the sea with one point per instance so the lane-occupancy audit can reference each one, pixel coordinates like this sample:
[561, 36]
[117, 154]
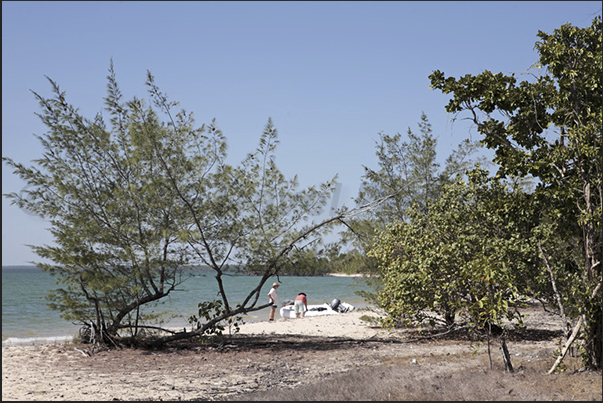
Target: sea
[27, 319]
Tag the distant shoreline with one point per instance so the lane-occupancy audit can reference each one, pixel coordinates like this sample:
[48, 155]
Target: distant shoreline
[29, 267]
[345, 275]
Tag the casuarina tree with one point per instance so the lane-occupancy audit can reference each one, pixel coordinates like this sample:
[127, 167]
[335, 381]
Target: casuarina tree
[137, 203]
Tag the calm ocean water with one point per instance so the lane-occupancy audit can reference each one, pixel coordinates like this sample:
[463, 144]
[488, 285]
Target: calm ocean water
[26, 319]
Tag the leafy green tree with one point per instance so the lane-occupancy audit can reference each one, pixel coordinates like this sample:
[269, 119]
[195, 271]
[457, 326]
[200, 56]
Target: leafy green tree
[407, 170]
[457, 261]
[306, 262]
[350, 262]
[550, 128]
[249, 216]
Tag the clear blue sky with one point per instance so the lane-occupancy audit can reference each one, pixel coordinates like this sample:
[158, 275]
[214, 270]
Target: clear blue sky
[331, 75]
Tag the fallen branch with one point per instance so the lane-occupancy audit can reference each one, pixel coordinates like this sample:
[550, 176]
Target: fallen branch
[85, 353]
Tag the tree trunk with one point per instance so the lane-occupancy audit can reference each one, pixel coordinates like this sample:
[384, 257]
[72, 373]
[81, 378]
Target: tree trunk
[506, 356]
[568, 343]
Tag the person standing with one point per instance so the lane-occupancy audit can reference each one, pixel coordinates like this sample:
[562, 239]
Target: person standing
[273, 300]
[300, 305]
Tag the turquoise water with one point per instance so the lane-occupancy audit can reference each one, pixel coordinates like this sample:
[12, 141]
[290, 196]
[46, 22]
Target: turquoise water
[27, 319]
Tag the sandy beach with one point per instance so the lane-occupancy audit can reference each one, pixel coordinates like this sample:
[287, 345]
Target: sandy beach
[283, 354]
[62, 372]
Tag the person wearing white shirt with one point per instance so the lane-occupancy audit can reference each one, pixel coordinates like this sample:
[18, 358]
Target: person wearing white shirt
[273, 300]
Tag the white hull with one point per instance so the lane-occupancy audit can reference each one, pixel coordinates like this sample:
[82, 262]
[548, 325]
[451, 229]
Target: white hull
[314, 310]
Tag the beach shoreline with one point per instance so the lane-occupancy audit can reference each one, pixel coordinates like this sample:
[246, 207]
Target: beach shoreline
[247, 322]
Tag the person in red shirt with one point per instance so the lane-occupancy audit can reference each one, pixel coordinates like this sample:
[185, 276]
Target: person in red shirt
[300, 305]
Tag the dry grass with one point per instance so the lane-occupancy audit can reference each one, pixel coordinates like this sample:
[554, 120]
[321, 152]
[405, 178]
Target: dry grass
[438, 378]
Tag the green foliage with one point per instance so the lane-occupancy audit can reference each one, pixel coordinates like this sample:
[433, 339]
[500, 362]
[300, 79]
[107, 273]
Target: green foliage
[305, 262]
[550, 128]
[409, 172]
[97, 185]
[321, 261]
[461, 259]
[209, 310]
[275, 214]
[350, 262]
[406, 170]
[134, 202]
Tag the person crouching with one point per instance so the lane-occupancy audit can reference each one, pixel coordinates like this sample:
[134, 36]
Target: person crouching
[300, 305]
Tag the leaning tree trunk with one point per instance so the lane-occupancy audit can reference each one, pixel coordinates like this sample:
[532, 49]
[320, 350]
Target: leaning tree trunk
[593, 339]
[506, 355]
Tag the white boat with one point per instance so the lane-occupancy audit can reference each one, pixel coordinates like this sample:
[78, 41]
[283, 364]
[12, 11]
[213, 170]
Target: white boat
[335, 308]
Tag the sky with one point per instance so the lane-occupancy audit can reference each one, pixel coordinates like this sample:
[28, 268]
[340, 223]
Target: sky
[331, 75]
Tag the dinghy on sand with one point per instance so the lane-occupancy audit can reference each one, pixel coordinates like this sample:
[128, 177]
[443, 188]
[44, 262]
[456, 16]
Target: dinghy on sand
[334, 308]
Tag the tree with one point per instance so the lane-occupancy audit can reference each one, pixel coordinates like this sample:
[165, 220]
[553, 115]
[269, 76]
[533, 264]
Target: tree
[135, 205]
[117, 248]
[460, 258]
[406, 169]
[409, 171]
[249, 216]
[550, 128]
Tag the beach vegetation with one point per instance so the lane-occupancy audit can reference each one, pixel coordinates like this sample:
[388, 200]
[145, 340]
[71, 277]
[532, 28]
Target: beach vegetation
[135, 202]
[407, 169]
[549, 128]
[460, 264]
[487, 242]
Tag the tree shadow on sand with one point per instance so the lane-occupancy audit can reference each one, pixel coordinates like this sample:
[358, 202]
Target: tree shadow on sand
[281, 343]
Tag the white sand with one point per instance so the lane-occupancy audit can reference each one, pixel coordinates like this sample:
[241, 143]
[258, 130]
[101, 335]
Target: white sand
[347, 325]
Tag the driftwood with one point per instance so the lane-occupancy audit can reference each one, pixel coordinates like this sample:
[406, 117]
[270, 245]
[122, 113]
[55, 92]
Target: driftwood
[84, 352]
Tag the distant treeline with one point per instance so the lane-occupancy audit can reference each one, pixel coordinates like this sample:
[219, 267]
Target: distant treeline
[308, 263]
